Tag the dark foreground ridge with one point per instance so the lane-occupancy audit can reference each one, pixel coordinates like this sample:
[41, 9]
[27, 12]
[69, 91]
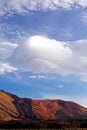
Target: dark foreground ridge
[13, 107]
[61, 124]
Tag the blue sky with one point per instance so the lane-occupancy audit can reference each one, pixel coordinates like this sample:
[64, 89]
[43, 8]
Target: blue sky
[43, 49]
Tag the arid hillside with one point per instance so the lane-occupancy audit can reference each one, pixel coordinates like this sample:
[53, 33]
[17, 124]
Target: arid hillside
[14, 107]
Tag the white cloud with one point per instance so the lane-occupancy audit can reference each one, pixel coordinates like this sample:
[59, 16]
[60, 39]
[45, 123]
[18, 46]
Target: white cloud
[37, 77]
[13, 33]
[84, 79]
[82, 3]
[6, 67]
[40, 54]
[23, 6]
[6, 50]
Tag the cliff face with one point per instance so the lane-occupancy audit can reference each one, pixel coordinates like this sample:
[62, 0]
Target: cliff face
[13, 107]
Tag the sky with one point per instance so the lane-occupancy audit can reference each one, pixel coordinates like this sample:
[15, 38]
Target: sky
[43, 49]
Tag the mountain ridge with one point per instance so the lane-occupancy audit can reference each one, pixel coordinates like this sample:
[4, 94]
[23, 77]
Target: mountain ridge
[16, 108]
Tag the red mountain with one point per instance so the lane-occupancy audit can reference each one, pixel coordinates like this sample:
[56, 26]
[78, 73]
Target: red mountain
[13, 107]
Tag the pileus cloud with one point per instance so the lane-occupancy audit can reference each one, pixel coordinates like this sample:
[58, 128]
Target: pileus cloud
[41, 54]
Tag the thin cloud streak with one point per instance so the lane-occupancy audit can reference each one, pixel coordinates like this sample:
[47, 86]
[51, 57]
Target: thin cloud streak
[6, 50]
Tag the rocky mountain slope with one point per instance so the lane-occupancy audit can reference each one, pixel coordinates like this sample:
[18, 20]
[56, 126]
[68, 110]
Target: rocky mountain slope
[13, 107]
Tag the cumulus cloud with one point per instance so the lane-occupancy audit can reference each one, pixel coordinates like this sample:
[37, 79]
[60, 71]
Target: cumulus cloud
[6, 50]
[23, 6]
[40, 54]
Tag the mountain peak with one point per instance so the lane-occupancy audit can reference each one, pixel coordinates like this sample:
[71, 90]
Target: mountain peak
[13, 107]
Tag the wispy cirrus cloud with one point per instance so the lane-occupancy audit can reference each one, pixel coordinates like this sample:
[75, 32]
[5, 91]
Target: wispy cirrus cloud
[6, 50]
[84, 17]
[12, 32]
[84, 79]
[6, 68]
[24, 6]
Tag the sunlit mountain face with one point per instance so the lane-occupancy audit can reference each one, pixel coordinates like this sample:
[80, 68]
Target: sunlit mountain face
[13, 107]
[43, 49]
